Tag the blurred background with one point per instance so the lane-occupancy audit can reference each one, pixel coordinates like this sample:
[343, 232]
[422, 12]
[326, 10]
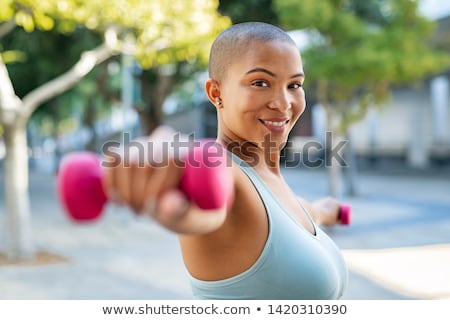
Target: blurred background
[75, 75]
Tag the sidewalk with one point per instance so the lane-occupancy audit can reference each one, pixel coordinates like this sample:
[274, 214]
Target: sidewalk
[398, 246]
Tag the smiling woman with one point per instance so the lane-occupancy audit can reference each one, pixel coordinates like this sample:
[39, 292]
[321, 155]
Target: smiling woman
[268, 247]
[261, 89]
[266, 243]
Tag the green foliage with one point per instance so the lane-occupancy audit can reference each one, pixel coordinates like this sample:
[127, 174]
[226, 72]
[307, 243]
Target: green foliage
[249, 10]
[363, 49]
[304, 14]
[163, 31]
[45, 55]
[13, 56]
[55, 33]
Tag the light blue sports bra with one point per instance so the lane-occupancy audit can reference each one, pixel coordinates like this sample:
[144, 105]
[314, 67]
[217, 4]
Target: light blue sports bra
[294, 263]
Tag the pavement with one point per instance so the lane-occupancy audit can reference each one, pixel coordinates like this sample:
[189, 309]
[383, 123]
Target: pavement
[397, 247]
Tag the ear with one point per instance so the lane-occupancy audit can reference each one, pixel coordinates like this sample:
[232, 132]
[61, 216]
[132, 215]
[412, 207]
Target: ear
[212, 88]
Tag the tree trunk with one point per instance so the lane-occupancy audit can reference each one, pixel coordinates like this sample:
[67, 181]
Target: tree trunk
[334, 167]
[14, 114]
[156, 87]
[332, 140]
[18, 221]
[351, 169]
[89, 118]
[333, 161]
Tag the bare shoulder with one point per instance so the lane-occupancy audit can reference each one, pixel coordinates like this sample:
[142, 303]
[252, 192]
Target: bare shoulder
[240, 239]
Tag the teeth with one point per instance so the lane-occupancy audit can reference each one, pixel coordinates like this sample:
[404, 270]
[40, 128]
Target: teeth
[274, 123]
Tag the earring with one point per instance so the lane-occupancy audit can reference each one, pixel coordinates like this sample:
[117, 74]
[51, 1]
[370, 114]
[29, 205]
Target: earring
[219, 103]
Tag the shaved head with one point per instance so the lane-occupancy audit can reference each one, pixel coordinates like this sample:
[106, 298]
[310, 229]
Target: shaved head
[232, 42]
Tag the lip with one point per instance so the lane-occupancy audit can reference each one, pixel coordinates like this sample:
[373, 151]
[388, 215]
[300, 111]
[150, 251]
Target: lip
[275, 124]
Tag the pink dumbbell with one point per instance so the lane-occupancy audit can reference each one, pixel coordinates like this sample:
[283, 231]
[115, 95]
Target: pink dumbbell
[345, 216]
[206, 180]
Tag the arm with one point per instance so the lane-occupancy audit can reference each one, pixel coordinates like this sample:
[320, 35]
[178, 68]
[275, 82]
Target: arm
[146, 177]
[174, 212]
[324, 211]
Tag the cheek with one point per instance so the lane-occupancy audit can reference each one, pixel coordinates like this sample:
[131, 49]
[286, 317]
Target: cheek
[244, 103]
[300, 106]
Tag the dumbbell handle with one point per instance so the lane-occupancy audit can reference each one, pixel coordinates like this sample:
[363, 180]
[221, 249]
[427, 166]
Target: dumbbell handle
[206, 180]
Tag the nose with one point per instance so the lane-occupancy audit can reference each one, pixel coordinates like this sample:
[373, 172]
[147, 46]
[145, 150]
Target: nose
[281, 101]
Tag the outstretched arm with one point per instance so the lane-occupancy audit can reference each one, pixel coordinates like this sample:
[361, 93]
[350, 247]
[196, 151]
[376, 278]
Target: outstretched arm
[152, 187]
[324, 211]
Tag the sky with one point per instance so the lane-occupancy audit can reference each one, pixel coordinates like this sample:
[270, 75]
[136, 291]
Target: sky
[435, 8]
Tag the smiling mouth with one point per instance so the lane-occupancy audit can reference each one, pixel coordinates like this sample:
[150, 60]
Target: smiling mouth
[274, 123]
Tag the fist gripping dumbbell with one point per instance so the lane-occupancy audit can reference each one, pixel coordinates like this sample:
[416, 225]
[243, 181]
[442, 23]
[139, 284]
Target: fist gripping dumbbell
[206, 180]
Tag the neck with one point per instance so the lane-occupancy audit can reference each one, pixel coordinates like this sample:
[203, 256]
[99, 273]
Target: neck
[264, 156]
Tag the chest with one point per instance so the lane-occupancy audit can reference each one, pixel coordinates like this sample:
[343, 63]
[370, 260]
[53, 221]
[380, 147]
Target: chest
[289, 201]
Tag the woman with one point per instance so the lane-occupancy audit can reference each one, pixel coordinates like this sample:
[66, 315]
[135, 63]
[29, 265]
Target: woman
[266, 244]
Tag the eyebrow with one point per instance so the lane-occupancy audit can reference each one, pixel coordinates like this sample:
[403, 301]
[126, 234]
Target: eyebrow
[300, 74]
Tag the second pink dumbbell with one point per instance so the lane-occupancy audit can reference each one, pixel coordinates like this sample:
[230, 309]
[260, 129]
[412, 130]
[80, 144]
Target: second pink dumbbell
[345, 214]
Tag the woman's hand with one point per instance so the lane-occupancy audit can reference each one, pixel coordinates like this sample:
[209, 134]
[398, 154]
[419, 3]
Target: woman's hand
[324, 211]
[146, 176]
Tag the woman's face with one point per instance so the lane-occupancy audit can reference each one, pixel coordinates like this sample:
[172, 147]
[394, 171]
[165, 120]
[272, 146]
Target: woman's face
[262, 94]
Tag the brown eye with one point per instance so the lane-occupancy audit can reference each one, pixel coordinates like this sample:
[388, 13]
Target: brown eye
[260, 83]
[295, 85]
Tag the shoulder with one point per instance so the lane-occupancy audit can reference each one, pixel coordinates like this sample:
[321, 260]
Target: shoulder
[241, 237]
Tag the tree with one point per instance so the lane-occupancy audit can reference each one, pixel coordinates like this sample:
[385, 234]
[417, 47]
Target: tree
[45, 55]
[158, 82]
[249, 10]
[155, 32]
[358, 51]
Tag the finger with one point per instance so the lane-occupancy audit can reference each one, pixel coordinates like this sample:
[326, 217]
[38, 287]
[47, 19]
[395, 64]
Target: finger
[175, 212]
[171, 206]
[122, 182]
[141, 175]
[153, 184]
[109, 168]
[164, 177]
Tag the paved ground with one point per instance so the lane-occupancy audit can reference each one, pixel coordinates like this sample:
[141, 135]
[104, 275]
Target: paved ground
[398, 246]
